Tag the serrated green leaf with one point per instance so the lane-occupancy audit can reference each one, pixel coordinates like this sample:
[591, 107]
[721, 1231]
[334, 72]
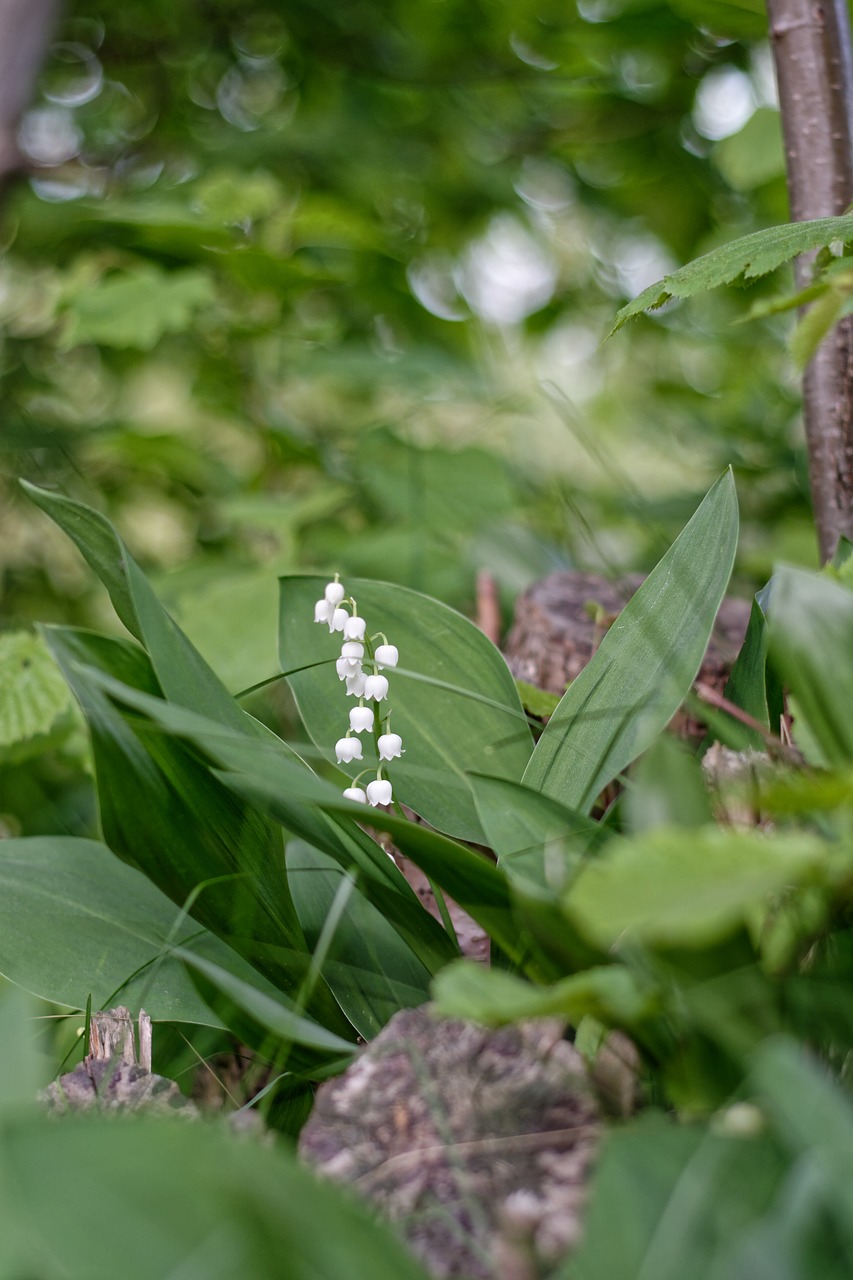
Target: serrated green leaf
[749, 256]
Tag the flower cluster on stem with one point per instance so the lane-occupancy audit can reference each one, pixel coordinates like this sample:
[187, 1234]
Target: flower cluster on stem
[360, 667]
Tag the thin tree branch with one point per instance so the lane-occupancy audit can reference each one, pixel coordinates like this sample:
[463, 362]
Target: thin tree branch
[814, 71]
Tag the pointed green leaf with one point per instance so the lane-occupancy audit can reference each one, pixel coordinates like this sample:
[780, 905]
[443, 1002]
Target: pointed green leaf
[645, 664]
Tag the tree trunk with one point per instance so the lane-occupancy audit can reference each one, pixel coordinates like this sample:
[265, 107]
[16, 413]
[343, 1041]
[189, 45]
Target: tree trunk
[26, 27]
[811, 50]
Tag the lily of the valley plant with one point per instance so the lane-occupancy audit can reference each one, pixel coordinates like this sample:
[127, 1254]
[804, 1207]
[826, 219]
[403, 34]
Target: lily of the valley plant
[357, 652]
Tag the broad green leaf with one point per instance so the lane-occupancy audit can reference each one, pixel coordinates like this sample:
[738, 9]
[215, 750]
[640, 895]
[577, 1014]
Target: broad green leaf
[35, 703]
[174, 1200]
[537, 840]
[645, 664]
[369, 968]
[164, 812]
[811, 638]
[749, 256]
[253, 1012]
[537, 702]
[453, 700]
[136, 308]
[608, 993]
[277, 784]
[75, 922]
[691, 889]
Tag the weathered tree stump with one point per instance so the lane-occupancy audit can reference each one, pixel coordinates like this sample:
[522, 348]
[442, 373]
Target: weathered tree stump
[561, 620]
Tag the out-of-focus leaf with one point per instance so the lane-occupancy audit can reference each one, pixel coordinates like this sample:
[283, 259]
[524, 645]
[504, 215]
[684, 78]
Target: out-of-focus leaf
[176, 1199]
[537, 702]
[755, 154]
[645, 664]
[688, 888]
[452, 698]
[811, 636]
[19, 1060]
[35, 703]
[136, 308]
[749, 256]
[666, 789]
[752, 685]
[608, 993]
[669, 1201]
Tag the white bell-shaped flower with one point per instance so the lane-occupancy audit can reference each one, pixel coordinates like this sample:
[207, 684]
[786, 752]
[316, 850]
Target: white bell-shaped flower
[343, 668]
[338, 619]
[379, 791]
[353, 652]
[390, 745]
[356, 793]
[376, 687]
[354, 629]
[334, 593]
[323, 611]
[347, 749]
[355, 683]
[386, 655]
[361, 719]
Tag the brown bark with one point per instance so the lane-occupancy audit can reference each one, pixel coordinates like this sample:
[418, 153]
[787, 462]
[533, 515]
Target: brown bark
[814, 70]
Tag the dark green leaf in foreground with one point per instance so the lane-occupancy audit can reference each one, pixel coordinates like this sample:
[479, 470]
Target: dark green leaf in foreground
[671, 1200]
[453, 700]
[750, 256]
[645, 664]
[155, 1200]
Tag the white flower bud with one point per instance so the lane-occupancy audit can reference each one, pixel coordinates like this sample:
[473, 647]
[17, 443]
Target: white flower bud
[334, 593]
[390, 745]
[386, 655]
[354, 629]
[361, 718]
[355, 683]
[379, 791]
[376, 687]
[347, 749]
[322, 611]
[355, 793]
